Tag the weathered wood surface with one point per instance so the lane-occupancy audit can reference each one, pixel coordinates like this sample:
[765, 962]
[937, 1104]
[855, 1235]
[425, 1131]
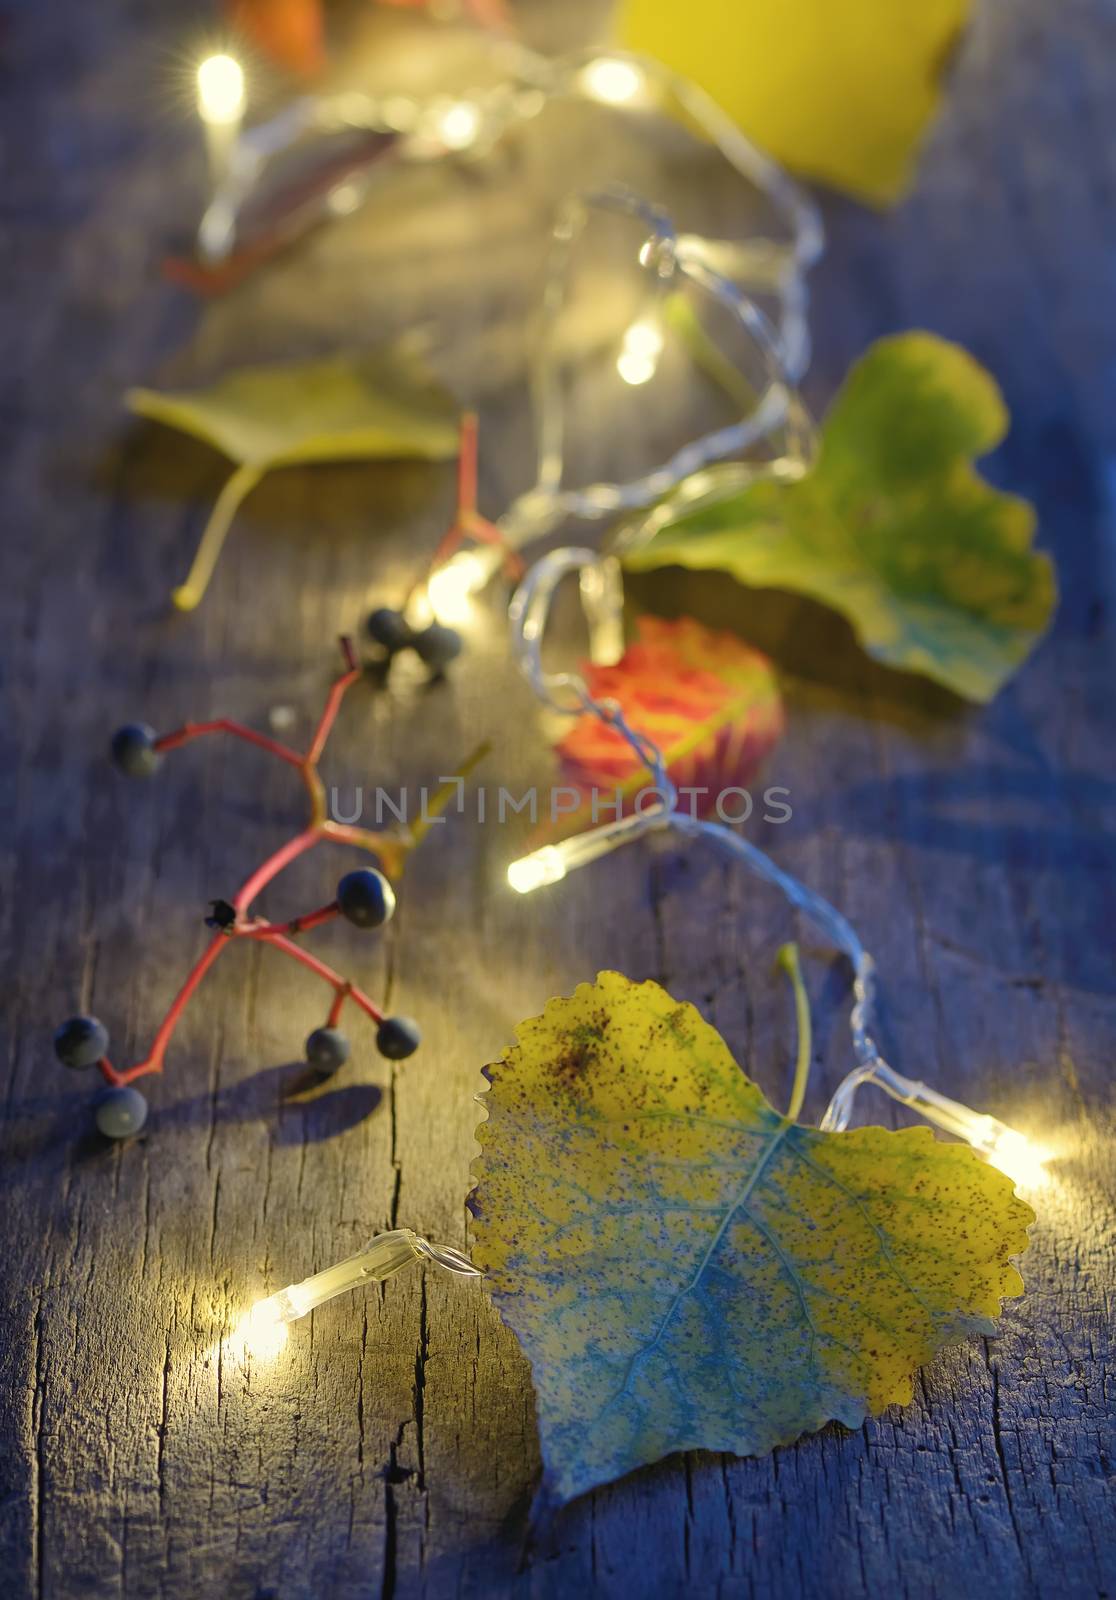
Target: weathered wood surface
[392, 1447]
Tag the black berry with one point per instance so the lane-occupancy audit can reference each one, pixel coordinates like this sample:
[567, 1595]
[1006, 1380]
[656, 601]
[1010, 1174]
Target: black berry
[398, 1037]
[81, 1042]
[120, 1111]
[438, 646]
[326, 1050]
[388, 629]
[133, 750]
[366, 898]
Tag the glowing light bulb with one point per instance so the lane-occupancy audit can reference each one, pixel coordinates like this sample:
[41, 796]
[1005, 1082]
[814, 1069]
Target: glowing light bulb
[611, 81]
[1015, 1155]
[220, 91]
[534, 871]
[262, 1332]
[638, 360]
[451, 588]
[459, 125]
[554, 861]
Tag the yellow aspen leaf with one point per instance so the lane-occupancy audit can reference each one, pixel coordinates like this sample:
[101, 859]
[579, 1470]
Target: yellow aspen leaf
[687, 1269]
[838, 90]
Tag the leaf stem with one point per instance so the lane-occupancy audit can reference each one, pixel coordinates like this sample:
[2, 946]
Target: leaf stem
[189, 592]
[441, 797]
[788, 959]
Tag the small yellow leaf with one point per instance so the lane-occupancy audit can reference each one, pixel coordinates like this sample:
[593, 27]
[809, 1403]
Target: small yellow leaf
[837, 90]
[383, 405]
[332, 410]
[687, 1269]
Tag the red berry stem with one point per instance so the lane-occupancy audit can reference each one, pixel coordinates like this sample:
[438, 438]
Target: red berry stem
[154, 1061]
[338, 1002]
[262, 929]
[195, 730]
[332, 706]
[468, 522]
[320, 827]
[341, 986]
[274, 865]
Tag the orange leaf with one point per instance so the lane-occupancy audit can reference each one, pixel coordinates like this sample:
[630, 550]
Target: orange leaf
[290, 33]
[710, 702]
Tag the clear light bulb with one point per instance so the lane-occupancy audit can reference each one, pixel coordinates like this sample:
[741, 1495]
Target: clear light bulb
[262, 1331]
[554, 861]
[451, 588]
[613, 81]
[220, 90]
[1014, 1154]
[536, 870]
[642, 346]
[458, 125]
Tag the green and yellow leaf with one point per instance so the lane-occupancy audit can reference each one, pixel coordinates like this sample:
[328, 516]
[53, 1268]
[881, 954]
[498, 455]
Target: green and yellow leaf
[687, 1269]
[837, 90]
[340, 409]
[893, 527]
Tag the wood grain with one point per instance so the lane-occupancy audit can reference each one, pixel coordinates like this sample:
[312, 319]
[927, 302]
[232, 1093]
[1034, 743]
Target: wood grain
[392, 1448]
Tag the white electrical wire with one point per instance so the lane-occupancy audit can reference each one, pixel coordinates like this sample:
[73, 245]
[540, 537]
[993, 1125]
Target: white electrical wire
[776, 267]
[566, 692]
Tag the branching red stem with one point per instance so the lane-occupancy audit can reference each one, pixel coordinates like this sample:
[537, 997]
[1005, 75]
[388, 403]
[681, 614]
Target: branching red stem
[312, 919]
[273, 866]
[468, 522]
[194, 730]
[341, 986]
[154, 1060]
[332, 706]
[274, 934]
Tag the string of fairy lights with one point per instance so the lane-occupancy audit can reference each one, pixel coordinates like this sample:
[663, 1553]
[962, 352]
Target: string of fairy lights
[772, 436]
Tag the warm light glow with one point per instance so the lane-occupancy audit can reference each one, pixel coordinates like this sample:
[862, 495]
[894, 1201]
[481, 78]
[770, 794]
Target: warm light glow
[262, 1332]
[532, 872]
[1014, 1154]
[614, 82]
[459, 125]
[450, 590]
[344, 199]
[638, 360]
[220, 90]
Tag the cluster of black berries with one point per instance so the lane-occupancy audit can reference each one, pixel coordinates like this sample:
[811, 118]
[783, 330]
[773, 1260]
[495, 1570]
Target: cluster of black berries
[435, 645]
[366, 899]
[118, 1110]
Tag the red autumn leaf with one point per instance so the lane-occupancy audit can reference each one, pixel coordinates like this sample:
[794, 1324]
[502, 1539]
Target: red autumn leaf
[290, 33]
[710, 702]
